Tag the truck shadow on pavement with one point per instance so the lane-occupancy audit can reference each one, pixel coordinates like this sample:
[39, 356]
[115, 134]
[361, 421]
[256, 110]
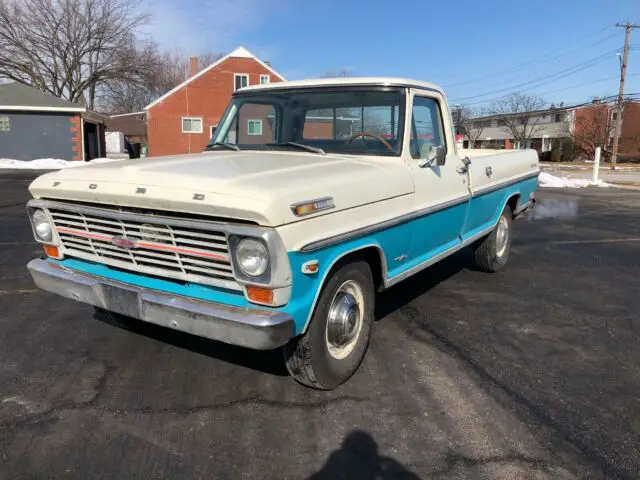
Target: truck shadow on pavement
[263, 361]
[358, 458]
[402, 294]
[271, 361]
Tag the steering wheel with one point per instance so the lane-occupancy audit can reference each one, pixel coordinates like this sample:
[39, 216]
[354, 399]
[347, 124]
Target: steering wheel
[372, 135]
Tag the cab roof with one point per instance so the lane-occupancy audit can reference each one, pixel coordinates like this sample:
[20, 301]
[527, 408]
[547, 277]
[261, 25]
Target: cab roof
[345, 81]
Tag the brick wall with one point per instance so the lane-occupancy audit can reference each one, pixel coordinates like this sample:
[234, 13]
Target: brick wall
[630, 138]
[75, 127]
[206, 97]
[595, 126]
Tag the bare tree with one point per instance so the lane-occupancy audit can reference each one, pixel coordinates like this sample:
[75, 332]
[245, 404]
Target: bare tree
[513, 115]
[469, 123]
[593, 128]
[207, 58]
[170, 68]
[73, 48]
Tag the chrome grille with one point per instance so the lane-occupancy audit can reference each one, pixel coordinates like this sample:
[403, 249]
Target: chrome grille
[159, 246]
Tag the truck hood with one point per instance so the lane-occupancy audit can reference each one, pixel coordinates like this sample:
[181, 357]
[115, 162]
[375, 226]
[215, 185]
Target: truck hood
[256, 186]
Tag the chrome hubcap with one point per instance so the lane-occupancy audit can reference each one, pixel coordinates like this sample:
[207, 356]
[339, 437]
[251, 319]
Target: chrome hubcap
[502, 236]
[345, 320]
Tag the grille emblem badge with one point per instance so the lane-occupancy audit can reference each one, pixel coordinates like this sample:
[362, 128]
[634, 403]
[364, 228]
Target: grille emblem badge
[123, 242]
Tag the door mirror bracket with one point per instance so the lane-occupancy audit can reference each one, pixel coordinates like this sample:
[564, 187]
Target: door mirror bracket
[436, 156]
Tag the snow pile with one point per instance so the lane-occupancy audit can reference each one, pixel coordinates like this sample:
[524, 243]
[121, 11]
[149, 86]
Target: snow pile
[547, 180]
[48, 163]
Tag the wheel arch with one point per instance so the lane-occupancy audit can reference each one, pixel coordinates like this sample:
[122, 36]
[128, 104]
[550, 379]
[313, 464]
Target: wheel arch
[513, 200]
[371, 253]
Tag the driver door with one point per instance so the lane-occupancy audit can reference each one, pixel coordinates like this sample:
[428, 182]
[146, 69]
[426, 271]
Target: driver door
[441, 191]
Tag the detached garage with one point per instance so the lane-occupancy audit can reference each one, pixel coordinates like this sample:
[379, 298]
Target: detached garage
[34, 124]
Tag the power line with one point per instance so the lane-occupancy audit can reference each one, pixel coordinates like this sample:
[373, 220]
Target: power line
[551, 91]
[536, 62]
[608, 100]
[548, 78]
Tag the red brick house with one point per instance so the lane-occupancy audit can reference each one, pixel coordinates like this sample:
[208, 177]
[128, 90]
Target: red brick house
[595, 125]
[181, 121]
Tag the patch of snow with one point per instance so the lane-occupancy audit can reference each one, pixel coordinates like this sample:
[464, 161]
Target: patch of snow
[547, 180]
[49, 163]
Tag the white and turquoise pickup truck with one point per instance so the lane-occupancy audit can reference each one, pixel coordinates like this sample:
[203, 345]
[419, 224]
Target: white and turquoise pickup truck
[311, 197]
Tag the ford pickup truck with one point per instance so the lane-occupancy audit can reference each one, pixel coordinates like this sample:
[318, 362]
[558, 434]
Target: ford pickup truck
[310, 197]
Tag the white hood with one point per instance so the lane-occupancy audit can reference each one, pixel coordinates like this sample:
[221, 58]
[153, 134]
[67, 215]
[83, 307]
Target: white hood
[257, 186]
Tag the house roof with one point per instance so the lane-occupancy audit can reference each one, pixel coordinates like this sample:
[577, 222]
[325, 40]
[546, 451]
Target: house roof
[20, 97]
[345, 81]
[239, 52]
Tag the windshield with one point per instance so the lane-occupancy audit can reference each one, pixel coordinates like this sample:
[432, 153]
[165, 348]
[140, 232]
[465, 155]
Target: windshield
[352, 121]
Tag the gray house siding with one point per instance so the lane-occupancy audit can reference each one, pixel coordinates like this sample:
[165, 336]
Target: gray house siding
[35, 135]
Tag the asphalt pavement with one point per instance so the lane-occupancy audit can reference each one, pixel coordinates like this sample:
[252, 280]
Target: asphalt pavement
[533, 372]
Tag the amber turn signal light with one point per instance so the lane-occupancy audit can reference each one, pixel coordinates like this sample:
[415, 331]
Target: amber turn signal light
[260, 295]
[51, 251]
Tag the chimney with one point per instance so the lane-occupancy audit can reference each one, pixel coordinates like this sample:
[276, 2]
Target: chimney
[193, 66]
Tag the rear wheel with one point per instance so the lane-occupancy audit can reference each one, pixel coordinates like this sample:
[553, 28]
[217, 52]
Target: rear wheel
[492, 252]
[336, 340]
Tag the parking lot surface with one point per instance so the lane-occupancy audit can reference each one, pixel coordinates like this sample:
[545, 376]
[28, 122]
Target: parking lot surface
[533, 372]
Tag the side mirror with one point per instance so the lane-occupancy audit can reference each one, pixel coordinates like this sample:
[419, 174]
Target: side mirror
[437, 156]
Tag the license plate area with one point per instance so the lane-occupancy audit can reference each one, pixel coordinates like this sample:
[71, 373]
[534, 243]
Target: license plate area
[120, 300]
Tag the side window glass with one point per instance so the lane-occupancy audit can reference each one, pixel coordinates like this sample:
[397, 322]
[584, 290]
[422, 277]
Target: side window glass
[426, 127]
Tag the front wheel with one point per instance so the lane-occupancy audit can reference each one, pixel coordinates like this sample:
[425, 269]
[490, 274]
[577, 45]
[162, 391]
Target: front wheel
[492, 252]
[336, 340]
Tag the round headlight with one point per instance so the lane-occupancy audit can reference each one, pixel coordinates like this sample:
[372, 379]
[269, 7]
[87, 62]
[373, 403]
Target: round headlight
[42, 226]
[252, 257]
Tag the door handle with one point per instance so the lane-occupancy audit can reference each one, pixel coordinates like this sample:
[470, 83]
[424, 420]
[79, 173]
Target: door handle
[465, 168]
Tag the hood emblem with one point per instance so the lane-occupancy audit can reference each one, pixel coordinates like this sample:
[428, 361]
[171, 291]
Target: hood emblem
[123, 242]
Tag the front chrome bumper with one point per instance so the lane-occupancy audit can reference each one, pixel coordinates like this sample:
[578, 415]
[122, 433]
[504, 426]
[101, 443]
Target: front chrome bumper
[257, 329]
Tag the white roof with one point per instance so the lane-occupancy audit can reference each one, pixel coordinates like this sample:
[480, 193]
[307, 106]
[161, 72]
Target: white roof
[239, 52]
[127, 114]
[327, 82]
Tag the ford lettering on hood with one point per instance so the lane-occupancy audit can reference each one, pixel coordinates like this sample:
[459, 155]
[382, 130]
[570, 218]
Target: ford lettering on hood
[257, 186]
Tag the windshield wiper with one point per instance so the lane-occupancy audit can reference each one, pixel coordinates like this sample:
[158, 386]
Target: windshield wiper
[228, 146]
[300, 146]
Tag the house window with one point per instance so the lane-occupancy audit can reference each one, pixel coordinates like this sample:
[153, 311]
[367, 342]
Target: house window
[559, 117]
[191, 124]
[254, 127]
[522, 120]
[240, 80]
[264, 79]
[502, 123]
[614, 117]
[5, 125]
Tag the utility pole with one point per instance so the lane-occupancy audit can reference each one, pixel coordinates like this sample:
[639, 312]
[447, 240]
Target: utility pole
[623, 73]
